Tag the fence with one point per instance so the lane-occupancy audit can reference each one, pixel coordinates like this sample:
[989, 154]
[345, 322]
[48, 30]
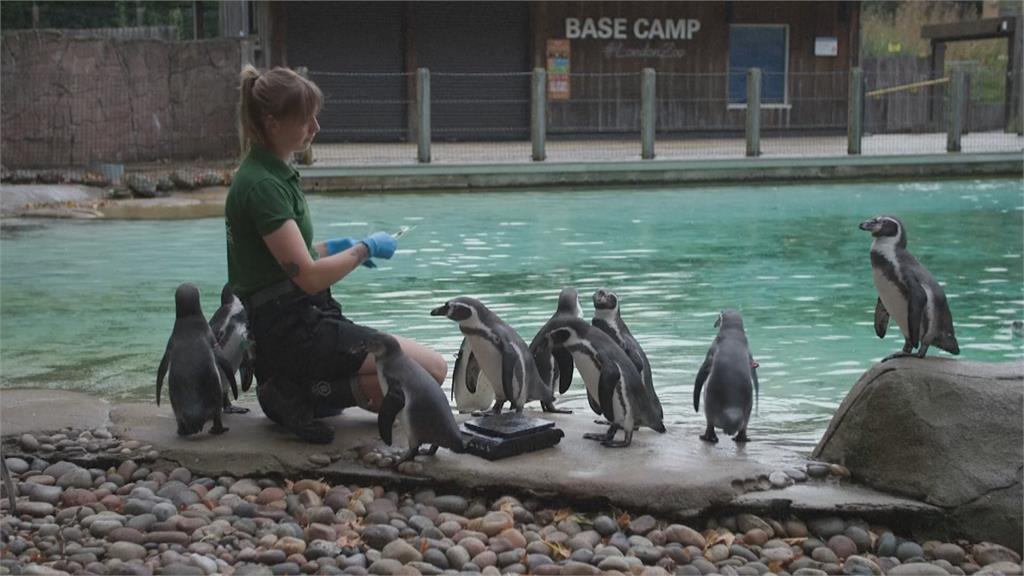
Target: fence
[464, 118]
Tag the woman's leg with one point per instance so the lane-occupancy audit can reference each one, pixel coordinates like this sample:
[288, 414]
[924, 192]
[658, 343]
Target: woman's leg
[431, 361]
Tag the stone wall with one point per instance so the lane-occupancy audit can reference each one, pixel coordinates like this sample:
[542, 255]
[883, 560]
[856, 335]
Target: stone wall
[78, 101]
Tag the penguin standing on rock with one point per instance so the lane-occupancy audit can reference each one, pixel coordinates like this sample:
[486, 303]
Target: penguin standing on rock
[196, 367]
[555, 364]
[728, 378]
[615, 388]
[609, 320]
[230, 328]
[501, 353]
[411, 395]
[907, 292]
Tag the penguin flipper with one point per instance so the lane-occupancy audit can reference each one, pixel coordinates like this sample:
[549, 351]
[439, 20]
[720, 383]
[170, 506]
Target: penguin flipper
[161, 372]
[228, 370]
[606, 388]
[246, 370]
[594, 405]
[702, 376]
[563, 360]
[918, 300]
[881, 319]
[753, 376]
[393, 403]
[509, 365]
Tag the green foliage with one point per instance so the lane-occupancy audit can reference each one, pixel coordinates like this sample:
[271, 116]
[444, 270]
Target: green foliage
[17, 14]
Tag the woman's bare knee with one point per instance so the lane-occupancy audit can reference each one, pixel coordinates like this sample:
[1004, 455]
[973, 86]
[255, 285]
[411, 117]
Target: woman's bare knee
[430, 360]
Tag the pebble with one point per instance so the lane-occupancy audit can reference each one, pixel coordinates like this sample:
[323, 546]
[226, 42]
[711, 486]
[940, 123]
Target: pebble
[320, 459]
[125, 551]
[986, 553]
[908, 550]
[403, 552]
[842, 545]
[643, 524]
[614, 563]
[684, 535]
[29, 443]
[916, 569]
[605, 526]
[378, 535]
[825, 555]
[826, 527]
[748, 522]
[779, 479]
[782, 555]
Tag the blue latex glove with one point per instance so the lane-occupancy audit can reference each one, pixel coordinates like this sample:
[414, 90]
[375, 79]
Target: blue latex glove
[381, 245]
[336, 245]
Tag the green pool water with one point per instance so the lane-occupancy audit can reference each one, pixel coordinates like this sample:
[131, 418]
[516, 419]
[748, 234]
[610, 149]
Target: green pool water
[88, 305]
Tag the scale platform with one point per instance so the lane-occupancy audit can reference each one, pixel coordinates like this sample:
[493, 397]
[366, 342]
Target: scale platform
[508, 434]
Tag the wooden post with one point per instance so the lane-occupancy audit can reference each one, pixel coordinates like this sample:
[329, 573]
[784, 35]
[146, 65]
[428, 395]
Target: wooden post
[538, 113]
[938, 70]
[423, 115]
[647, 113]
[754, 112]
[855, 111]
[954, 110]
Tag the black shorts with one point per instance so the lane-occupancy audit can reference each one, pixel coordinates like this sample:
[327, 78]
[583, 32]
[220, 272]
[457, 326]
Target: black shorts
[305, 344]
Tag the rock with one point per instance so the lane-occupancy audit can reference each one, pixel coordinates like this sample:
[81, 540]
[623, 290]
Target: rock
[717, 553]
[684, 535]
[959, 427]
[826, 527]
[986, 553]
[320, 459]
[755, 537]
[614, 563]
[842, 545]
[643, 524]
[605, 526]
[779, 479]
[436, 558]
[951, 553]
[493, 523]
[77, 478]
[142, 186]
[16, 465]
[485, 559]
[1004, 568]
[29, 443]
[748, 522]
[245, 487]
[126, 535]
[317, 531]
[457, 556]
[917, 569]
[125, 551]
[168, 537]
[377, 536]
[272, 557]
[825, 555]
[886, 545]
[817, 470]
[48, 494]
[782, 555]
[908, 550]
[402, 551]
[859, 536]
[860, 565]
[37, 509]
[270, 494]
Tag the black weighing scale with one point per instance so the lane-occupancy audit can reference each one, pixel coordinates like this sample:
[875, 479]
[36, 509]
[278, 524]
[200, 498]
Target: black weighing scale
[508, 434]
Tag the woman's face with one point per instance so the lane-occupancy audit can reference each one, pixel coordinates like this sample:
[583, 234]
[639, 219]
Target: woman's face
[292, 134]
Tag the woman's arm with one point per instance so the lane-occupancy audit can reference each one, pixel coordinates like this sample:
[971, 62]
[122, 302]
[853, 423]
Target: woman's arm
[312, 276]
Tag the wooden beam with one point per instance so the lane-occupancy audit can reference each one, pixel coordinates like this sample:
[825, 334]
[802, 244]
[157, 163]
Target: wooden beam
[973, 30]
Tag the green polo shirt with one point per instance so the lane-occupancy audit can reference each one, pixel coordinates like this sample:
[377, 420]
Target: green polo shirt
[264, 194]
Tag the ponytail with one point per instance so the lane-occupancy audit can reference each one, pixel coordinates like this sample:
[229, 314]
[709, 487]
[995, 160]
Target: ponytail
[280, 93]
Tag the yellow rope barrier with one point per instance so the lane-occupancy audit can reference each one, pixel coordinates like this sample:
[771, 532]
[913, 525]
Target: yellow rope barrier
[922, 84]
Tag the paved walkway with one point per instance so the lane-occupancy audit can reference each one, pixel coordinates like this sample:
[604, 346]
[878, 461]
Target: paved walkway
[628, 149]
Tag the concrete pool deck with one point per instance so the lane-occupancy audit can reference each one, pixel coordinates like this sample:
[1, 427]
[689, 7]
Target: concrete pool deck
[673, 474]
[413, 177]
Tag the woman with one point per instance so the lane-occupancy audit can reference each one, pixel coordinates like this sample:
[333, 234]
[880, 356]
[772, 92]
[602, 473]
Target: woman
[306, 359]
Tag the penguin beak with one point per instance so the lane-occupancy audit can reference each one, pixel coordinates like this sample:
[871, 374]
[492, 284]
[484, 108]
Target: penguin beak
[440, 310]
[869, 225]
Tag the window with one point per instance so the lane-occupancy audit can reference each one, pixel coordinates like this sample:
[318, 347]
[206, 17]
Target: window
[758, 46]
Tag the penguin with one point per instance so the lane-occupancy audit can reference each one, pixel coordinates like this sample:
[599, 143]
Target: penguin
[411, 395]
[230, 329]
[613, 383]
[471, 389]
[196, 365]
[555, 364]
[608, 319]
[907, 292]
[729, 378]
[501, 353]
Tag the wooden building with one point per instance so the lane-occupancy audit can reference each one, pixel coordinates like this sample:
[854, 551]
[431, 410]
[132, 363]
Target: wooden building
[480, 54]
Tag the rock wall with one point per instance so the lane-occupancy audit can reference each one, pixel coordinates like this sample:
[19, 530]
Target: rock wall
[77, 101]
[947, 432]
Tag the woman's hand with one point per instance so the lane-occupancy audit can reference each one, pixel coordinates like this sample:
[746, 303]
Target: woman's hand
[381, 245]
[312, 276]
[336, 245]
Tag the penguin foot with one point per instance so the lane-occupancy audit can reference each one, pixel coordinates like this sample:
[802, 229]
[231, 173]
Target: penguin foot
[741, 437]
[429, 451]
[229, 409]
[616, 443]
[602, 422]
[218, 429]
[900, 354]
[549, 407]
[709, 437]
[596, 436]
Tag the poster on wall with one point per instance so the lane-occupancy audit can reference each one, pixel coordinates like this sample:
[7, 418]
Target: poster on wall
[558, 69]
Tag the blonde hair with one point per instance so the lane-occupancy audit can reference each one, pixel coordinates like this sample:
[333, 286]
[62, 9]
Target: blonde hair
[280, 92]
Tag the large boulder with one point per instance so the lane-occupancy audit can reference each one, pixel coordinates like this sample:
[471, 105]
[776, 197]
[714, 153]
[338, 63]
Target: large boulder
[946, 432]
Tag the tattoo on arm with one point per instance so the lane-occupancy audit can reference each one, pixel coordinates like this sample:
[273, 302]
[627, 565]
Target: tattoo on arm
[291, 269]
